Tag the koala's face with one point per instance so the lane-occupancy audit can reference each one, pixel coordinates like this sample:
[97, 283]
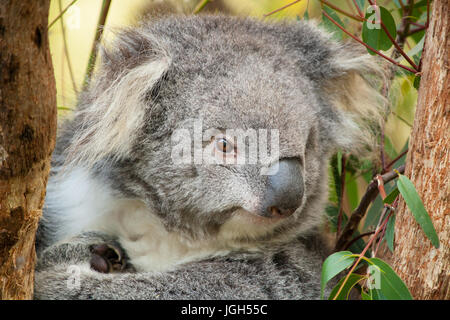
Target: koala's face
[204, 160]
[205, 111]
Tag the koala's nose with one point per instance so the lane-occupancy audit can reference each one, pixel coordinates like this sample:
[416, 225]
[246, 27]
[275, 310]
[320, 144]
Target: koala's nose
[284, 189]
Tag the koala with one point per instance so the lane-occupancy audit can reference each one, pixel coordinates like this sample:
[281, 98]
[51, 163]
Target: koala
[125, 218]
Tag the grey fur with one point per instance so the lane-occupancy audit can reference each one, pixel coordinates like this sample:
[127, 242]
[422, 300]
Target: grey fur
[231, 73]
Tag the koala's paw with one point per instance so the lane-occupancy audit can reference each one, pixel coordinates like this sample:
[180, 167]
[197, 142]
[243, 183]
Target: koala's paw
[107, 258]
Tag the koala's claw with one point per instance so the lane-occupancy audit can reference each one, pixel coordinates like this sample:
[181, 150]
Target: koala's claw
[107, 258]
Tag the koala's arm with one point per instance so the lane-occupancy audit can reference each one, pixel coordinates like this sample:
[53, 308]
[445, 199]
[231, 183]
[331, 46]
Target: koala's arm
[291, 272]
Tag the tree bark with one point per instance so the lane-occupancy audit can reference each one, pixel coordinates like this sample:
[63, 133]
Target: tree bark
[425, 269]
[27, 138]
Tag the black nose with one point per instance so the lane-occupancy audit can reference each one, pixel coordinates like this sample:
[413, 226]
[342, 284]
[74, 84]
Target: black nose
[284, 189]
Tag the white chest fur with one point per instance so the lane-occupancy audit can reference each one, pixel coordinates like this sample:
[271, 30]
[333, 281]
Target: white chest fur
[79, 203]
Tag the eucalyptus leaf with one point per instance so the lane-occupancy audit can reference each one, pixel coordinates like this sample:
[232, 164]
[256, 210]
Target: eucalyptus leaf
[389, 235]
[391, 196]
[333, 265]
[373, 34]
[417, 208]
[387, 282]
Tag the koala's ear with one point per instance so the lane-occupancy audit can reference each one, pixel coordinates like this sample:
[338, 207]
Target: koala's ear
[113, 109]
[348, 82]
[353, 87]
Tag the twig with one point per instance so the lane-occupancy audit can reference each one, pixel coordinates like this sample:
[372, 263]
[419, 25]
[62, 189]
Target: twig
[396, 159]
[61, 13]
[360, 211]
[396, 45]
[345, 13]
[369, 47]
[199, 7]
[282, 8]
[416, 24]
[98, 35]
[66, 50]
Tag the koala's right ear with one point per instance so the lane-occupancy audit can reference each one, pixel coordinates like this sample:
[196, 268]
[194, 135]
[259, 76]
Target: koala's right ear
[117, 98]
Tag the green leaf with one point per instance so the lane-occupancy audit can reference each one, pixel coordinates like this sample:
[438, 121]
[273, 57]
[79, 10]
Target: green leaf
[387, 282]
[391, 196]
[417, 208]
[389, 235]
[353, 279]
[333, 265]
[372, 32]
[377, 295]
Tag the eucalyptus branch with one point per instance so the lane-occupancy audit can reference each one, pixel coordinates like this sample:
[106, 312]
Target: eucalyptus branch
[396, 159]
[369, 47]
[360, 211]
[345, 13]
[282, 8]
[98, 35]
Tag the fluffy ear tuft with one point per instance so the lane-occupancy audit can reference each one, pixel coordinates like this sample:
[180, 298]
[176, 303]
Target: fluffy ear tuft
[354, 90]
[111, 117]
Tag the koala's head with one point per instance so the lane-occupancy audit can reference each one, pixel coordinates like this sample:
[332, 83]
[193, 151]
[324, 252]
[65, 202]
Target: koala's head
[182, 109]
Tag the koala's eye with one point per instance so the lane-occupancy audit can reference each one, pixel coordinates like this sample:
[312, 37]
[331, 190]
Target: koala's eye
[223, 145]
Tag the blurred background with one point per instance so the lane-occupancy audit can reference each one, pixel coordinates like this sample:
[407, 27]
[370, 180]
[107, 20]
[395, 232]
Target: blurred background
[72, 37]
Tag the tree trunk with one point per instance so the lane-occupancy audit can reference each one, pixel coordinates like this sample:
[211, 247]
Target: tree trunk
[425, 269]
[27, 138]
